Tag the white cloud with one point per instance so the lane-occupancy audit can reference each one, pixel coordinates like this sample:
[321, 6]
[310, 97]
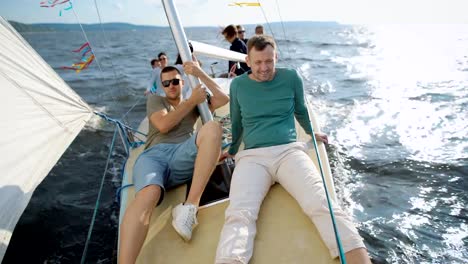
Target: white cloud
[119, 6]
[156, 3]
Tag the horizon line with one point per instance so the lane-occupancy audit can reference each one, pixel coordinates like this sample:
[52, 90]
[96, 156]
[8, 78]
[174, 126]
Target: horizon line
[142, 25]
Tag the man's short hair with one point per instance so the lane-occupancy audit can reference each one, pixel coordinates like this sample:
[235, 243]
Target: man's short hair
[260, 42]
[179, 58]
[169, 69]
[240, 28]
[230, 31]
[161, 54]
[153, 61]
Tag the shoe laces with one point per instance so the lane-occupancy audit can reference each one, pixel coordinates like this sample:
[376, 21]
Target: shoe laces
[189, 217]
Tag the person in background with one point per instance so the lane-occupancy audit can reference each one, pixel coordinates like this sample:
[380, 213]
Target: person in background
[241, 33]
[155, 63]
[154, 84]
[230, 34]
[174, 154]
[259, 30]
[155, 87]
[263, 106]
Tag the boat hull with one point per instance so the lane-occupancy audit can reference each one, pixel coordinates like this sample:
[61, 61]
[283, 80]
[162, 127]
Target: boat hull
[284, 233]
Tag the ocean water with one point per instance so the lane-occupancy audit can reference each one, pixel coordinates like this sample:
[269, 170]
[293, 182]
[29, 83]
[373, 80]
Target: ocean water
[392, 98]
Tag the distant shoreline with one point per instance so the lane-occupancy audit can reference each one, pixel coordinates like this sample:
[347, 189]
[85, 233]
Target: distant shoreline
[53, 27]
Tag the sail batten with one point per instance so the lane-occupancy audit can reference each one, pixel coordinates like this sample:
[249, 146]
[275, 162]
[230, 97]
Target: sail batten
[40, 115]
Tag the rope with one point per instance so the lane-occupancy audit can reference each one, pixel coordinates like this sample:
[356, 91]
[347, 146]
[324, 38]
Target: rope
[133, 106]
[107, 118]
[332, 215]
[119, 190]
[96, 207]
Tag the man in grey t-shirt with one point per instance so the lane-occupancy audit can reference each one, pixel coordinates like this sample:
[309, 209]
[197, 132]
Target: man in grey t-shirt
[174, 155]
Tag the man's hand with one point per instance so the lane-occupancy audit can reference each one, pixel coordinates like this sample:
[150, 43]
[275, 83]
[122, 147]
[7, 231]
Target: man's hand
[198, 95]
[192, 68]
[225, 155]
[321, 137]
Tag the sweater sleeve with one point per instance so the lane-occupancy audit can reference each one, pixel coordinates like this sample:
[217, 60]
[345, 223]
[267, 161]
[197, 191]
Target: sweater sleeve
[300, 108]
[236, 120]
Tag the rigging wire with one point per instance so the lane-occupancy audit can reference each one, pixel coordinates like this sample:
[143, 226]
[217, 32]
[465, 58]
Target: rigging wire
[106, 40]
[98, 199]
[268, 24]
[95, 57]
[118, 125]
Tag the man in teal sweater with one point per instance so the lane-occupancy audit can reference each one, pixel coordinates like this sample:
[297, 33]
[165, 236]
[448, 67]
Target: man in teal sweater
[264, 103]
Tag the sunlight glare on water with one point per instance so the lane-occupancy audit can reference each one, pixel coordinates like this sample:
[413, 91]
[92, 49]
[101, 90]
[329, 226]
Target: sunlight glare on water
[417, 74]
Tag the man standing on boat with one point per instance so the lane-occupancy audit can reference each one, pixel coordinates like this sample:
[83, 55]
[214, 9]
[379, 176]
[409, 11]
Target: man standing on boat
[263, 105]
[174, 155]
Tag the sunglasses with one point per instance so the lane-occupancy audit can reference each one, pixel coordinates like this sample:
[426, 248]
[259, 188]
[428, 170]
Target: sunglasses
[174, 81]
[241, 31]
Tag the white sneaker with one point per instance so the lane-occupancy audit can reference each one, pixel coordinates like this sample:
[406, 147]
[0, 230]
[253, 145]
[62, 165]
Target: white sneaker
[184, 220]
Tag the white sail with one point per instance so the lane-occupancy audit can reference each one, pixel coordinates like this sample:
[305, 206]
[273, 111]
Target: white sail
[40, 115]
[200, 48]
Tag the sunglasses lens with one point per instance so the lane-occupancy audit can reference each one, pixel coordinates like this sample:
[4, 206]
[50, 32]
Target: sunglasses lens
[166, 83]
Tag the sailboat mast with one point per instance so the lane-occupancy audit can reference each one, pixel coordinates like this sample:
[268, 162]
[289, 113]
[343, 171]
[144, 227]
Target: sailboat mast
[184, 51]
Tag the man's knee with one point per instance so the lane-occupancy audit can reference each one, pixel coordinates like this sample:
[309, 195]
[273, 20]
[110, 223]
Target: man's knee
[244, 215]
[210, 131]
[149, 195]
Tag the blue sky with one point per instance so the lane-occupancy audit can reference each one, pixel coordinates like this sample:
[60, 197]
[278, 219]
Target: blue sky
[219, 13]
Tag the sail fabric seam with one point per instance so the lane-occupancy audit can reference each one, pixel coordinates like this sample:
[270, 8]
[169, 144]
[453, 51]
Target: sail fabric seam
[60, 123]
[72, 102]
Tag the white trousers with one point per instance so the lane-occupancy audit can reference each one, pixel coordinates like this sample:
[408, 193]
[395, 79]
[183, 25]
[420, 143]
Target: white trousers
[256, 171]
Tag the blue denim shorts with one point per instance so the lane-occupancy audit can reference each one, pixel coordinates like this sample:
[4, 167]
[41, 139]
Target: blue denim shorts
[166, 165]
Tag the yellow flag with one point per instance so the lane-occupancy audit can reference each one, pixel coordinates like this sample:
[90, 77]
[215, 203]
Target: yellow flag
[241, 4]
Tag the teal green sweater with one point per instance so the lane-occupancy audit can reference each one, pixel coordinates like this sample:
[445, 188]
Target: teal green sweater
[262, 113]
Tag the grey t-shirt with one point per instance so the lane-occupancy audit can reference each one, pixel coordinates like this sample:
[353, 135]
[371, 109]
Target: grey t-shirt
[177, 134]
